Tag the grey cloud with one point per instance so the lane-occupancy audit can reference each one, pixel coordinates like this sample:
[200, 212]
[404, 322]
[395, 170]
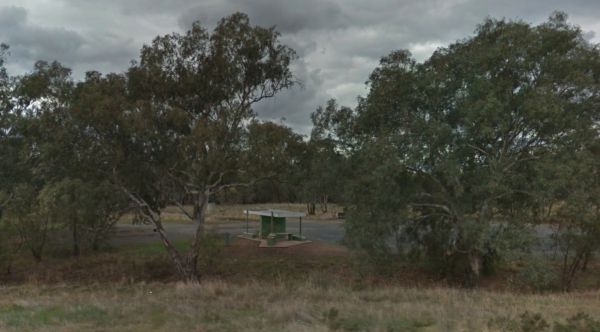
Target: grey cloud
[302, 45]
[349, 39]
[288, 16]
[296, 104]
[12, 16]
[134, 7]
[29, 43]
[339, 41]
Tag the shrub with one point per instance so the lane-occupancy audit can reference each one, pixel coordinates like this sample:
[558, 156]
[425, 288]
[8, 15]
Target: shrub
[538, 275]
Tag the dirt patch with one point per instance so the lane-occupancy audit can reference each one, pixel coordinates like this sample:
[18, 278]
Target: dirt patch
[314, 249]
[143, 262]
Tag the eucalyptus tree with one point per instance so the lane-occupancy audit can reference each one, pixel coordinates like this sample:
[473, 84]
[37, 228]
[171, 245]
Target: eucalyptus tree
[8, 153]
[469, 123]
[332, 141]
[171, 129]
[88, 209]
[55, 185]
[275, 155]
[568, 200]
[7, 150]
[38, 100]
[5, 92]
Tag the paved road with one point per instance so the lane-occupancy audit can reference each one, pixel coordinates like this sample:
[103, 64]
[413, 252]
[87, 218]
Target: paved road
[325, 231]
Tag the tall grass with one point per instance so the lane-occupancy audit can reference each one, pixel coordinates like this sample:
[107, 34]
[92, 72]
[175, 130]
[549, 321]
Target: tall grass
[275, 306]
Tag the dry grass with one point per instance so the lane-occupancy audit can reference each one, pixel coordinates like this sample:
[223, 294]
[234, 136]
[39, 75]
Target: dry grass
[230, 212]
[236, 211]
[273, 306]
[245, 288]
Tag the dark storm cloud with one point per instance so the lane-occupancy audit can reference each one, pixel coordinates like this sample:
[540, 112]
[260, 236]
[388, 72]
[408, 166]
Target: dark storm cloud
[339, 41]
[131, 7]
[294, 105]
[348, 38]
[287, 16]
[30, 42]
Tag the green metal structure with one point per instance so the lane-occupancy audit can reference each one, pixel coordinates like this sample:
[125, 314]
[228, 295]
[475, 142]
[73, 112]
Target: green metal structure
[270, 225]
[273, 223]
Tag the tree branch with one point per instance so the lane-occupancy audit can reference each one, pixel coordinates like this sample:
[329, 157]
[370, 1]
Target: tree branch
[432, 205]
[236, 184]
[182, 209]
[429, 215]
[218, 181]
[478, 149]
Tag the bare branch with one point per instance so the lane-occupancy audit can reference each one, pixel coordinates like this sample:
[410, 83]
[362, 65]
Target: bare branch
[182, 209]
[428, 216]
[517, 161]
[432, 205]
[220, 188]
[218, 181]
[478, 149]
[143, 207]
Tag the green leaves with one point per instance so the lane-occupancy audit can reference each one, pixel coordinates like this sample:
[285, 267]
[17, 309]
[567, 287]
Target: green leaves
[197, 89]
[473, 123]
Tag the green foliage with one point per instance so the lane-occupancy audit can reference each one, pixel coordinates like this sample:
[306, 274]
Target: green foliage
[88, 210]
[379, 194]
[538, 275]
[41, 173]
[5, 87]
[173, 129]
[570, 186]
[505, 243]
[448, 160]
[326, 164]
[275, 154]
[27, 215]
[464, 133]
[9, 245]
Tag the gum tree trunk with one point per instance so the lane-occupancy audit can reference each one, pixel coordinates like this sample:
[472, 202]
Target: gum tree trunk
[198, 218]
[185, 266]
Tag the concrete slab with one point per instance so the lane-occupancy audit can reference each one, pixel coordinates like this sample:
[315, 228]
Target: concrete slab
[275, 213]
[282, 244]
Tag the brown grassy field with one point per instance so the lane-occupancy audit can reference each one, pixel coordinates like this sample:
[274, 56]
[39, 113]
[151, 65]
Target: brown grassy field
[312, 287]
[274, 306]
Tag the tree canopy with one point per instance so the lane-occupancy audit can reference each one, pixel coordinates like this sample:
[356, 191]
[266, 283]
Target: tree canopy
[468, 126]
[177, 129]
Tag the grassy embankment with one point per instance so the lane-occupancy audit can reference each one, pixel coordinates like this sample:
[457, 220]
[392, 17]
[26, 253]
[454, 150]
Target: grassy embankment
[262, 306]
[315, 287]
[250, 289]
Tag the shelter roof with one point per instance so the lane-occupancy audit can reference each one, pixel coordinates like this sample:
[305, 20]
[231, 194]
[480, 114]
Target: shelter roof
[275, 213]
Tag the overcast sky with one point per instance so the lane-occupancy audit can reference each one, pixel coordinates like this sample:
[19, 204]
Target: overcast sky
[339, 42]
